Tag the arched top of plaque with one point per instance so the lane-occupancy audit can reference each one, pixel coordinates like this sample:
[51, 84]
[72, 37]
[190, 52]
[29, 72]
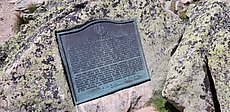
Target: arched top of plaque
[99, 28]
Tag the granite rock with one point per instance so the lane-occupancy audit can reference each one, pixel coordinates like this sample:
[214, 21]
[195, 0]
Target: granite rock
[186, 1]
[191, 55]
[198, 78]
[32, 75]
[23, 4]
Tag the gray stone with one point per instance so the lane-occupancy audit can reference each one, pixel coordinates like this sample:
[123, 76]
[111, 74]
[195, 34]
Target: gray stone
[32, 74]
[199, 66]
[33, 78]
[23, 4]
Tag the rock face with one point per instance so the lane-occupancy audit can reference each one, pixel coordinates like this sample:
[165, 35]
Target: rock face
[198, 78]
[7, 17]
[23, 4]
[194, 56]
[32, 75]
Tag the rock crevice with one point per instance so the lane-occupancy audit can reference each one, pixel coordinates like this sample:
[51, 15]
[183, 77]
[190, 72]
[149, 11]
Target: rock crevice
[176, 46]
[212, 86]
[198, 70]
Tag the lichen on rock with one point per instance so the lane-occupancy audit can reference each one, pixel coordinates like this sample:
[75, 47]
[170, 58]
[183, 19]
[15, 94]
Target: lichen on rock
[187, 52]
[202, 58]
[33, 78]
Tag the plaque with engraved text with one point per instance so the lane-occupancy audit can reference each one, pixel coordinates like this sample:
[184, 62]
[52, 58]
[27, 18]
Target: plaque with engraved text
[102, 57]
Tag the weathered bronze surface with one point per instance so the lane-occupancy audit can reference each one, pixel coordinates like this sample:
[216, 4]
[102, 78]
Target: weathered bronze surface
[102, 57]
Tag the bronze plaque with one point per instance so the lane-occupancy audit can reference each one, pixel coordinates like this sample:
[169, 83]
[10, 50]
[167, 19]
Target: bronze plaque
[102, 57]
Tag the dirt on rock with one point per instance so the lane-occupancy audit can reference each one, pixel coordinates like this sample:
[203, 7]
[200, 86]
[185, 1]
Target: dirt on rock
[7, 20]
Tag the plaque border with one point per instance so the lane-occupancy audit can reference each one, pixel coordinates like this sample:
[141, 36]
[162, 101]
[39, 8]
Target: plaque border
[79, 28]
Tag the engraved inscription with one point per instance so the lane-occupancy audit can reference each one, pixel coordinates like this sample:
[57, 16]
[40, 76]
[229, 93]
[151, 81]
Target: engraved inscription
[103, 75]
[101, 53]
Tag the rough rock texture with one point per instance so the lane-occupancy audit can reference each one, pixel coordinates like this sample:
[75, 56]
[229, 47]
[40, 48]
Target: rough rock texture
[32, 75]
[191, 49]
[23, 4]
[147, 109]
[199, 75]
[186, 1]
[123, 101]
[7, 17]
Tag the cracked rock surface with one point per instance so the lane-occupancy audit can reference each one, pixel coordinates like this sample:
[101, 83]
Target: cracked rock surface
[32, 75]
[190, 52]
[202, 58]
